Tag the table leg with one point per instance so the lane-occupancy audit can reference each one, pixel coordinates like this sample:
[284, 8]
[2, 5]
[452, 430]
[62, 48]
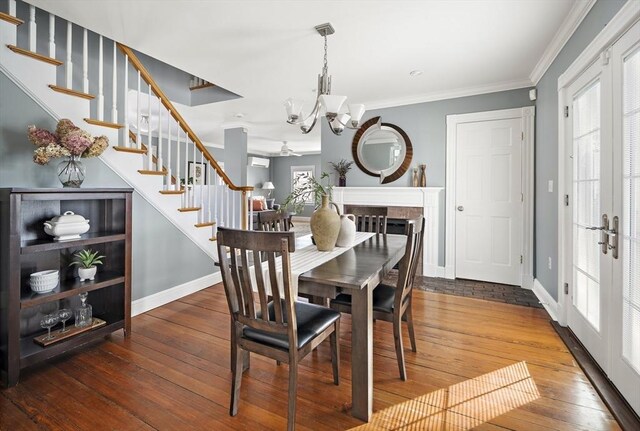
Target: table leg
[362, 353]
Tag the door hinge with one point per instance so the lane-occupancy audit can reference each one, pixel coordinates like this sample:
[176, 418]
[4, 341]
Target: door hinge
[521, 259]
[566, 288]
[566, 112]
[522, 136]
[566, 200]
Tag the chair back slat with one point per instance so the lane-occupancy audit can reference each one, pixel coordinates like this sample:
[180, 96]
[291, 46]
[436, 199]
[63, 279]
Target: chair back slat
[409, 263]
[240, 253]
[274, 221]
[369, 219]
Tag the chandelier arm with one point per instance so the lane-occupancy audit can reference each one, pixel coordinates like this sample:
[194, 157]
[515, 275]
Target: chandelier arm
[315, 120]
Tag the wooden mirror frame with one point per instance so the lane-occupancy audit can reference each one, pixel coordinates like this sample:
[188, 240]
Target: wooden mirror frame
[408, 155]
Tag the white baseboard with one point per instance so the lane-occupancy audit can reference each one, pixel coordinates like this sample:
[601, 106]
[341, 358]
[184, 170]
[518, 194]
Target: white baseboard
[449, 272]
[546, 299]
[527, 282]
[150, 302]
[434, 271]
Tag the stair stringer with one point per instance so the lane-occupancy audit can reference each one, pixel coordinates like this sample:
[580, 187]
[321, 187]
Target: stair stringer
[34, 77]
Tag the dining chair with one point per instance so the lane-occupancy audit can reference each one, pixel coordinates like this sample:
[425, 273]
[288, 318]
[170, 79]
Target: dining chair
[274, 221]
[370, 219]
[393, 304]
[282, 329]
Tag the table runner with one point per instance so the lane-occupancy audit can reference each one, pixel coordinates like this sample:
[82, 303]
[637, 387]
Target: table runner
[303, 260]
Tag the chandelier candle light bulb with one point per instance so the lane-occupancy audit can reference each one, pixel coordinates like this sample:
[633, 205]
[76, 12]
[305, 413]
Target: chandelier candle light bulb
[326, 104]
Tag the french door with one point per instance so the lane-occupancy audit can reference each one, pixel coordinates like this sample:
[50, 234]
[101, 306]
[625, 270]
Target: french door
[602, 224]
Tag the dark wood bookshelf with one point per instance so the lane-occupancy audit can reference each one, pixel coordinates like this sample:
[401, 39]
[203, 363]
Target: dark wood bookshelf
[25, 248]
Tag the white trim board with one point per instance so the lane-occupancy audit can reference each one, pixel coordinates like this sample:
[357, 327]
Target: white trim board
[546, 299]
[156, 300]
[577, 13]
[527, 115]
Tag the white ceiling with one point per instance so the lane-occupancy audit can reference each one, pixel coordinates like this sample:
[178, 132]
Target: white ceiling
[267, 51]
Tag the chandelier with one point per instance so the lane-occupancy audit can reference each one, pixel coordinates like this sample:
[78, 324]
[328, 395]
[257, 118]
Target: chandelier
[326, 103]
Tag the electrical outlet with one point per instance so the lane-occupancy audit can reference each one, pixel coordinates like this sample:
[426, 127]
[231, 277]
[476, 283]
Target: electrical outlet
[550, 186]
[549, 262]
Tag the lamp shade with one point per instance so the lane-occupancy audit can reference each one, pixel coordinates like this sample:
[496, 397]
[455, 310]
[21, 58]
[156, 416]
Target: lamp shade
[294, 109]
[268, 185]
[332, 103]
[357, 111]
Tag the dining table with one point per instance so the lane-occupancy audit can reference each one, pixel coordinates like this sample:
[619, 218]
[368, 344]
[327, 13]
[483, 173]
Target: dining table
[356, 272]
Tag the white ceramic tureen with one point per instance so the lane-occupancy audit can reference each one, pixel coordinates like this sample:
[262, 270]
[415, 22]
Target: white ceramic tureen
[67, 226]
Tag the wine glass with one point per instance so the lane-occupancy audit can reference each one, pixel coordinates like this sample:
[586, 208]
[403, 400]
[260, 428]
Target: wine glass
[49, 321]
[64, 315]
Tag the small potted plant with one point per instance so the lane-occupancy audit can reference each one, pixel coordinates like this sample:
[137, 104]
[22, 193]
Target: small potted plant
[86, 261]
[342, 167]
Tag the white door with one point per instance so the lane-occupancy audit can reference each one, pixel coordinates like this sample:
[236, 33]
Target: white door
[489, 201]
[589, 176]
[604, 132]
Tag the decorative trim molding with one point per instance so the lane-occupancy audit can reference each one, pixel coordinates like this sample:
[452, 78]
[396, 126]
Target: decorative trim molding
[450, 94]
[155, 300]
[619, 24]
[546, 299]
[527, 116]
[577, 13]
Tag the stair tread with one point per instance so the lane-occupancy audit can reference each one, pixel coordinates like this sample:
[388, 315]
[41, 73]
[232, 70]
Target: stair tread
[72, 92]
[187, 209]
[172, 192]
[104, 123]
[213, 239]
[10, 18]
[34, 55]
[148, 172]
[205, 224]
[130, 150]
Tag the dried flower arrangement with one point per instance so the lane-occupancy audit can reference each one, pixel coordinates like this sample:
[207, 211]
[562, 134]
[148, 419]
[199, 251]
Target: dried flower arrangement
[68, 140]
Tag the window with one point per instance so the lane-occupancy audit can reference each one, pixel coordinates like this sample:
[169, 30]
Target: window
[300, 176]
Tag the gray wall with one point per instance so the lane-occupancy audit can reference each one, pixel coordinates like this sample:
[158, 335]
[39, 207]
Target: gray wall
[281, 178]
[547, 141]
[235, 155]
[162, 256]
[425, 124]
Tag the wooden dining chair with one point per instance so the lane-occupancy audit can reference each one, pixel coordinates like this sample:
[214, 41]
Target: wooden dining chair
[282, 329]
[274, 221]
[393, 304]
[370, 219]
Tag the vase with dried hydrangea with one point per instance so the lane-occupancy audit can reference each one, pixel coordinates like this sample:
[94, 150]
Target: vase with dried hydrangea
[70, 142]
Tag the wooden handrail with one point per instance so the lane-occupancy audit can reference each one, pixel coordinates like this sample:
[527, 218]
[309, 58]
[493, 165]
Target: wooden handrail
[176, 115]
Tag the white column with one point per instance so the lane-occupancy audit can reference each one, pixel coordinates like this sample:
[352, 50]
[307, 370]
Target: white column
[32, 28]
[159, 157]
[69, 64]
[126, 101]
[85, 61]
[100, 80]
[114, 83]
[138, 134]
[52, 35]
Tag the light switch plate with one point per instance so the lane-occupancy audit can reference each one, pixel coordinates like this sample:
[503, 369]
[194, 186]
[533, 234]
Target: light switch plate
[550, 186]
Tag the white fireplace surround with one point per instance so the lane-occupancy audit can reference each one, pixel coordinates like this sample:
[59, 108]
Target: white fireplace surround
[427, 198]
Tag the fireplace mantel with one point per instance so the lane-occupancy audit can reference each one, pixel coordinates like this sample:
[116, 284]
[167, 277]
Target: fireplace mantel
[429, 199]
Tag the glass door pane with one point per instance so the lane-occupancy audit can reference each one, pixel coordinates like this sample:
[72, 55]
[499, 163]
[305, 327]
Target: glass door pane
[586, 208]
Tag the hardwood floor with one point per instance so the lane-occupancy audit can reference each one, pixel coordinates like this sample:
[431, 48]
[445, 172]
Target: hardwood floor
[480, 365]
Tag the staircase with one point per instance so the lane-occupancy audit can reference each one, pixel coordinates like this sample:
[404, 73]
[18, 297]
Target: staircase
[152, 146]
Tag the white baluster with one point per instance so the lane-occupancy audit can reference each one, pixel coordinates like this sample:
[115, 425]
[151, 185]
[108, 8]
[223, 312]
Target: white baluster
[69, 65]
[32, 28]
[149, 143]
[215, 197]
[209, 219]
[203, 183]
[52, 36]
[178, 159]
[168, 187]
[159, 156]
[85, 61]
[186, 169]
[12, 7]
[138, 115]
[195, 159]
[250, 216]
[126, 101]
[114, 83]
[100, 80]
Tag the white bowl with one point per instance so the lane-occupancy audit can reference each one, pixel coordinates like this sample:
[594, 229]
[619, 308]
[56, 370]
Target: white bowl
[44, 281]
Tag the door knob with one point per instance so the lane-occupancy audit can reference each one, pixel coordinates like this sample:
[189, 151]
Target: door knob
[460, 208]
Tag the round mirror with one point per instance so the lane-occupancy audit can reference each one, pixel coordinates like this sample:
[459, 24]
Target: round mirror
[382, 150]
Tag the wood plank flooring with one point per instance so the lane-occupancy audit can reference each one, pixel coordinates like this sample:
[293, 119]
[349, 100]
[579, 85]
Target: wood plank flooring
[480, 365]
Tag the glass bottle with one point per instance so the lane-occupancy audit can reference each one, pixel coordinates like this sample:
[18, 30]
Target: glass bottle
[84, 313]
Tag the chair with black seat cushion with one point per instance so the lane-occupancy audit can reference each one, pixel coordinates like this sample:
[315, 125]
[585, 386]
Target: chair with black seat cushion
[281, 329]
[370, 219]
[393, 304]
[274, 221]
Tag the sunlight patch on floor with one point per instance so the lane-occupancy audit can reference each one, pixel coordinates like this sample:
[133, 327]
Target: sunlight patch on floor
[462, 406]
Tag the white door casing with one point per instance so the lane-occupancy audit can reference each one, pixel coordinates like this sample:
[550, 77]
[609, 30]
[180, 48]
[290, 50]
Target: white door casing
[489, 200]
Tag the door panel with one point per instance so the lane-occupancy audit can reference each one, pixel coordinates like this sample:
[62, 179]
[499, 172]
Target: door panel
[488, 194]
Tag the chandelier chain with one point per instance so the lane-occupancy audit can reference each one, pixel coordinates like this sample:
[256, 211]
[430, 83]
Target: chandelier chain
[325, 67]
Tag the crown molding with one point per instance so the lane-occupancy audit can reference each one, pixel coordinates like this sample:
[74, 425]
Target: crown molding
[577, 13]
[450, 94]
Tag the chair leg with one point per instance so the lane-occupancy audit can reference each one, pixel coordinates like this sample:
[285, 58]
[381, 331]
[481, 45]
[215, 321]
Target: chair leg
[397, 338]
[412, 334]
[246, 360]
[293, 386]
[236, 380]
[335, 352]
